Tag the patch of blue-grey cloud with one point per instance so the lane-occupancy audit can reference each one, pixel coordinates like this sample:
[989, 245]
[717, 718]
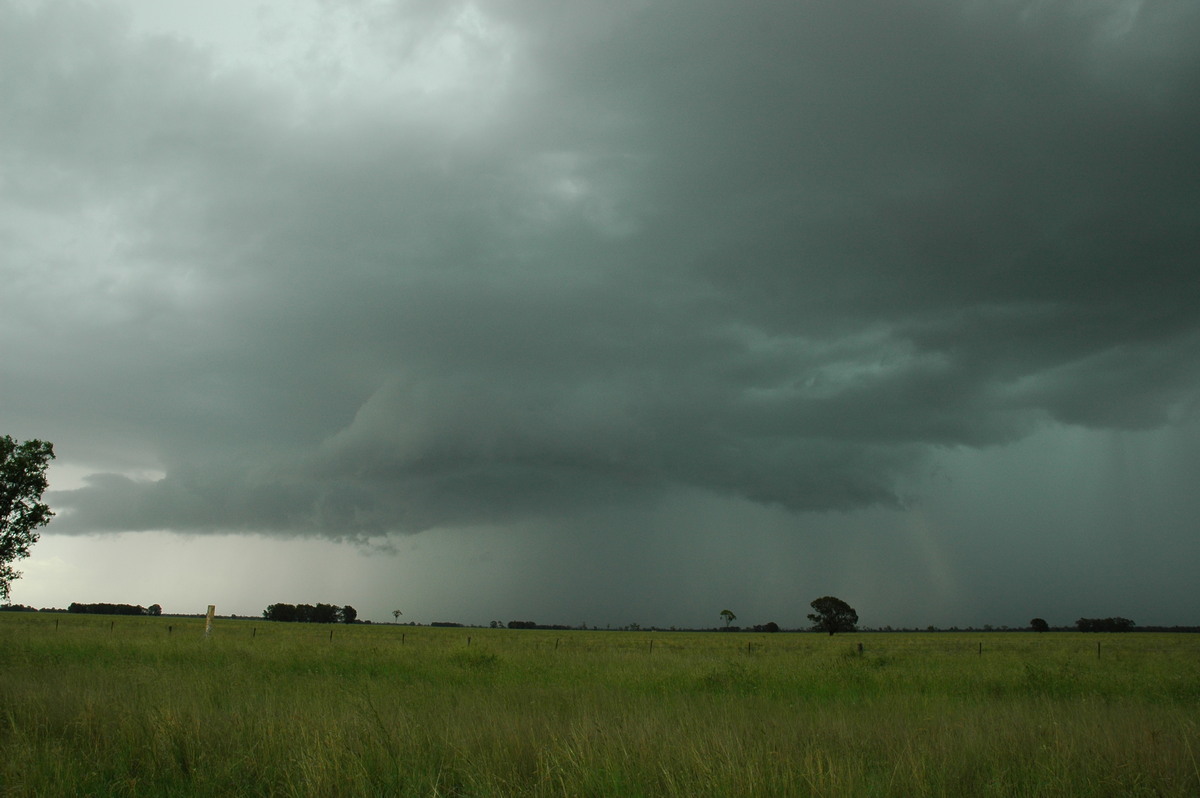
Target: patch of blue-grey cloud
[517, 264]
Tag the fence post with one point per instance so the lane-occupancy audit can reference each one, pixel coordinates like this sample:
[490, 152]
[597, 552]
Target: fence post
[208, 621]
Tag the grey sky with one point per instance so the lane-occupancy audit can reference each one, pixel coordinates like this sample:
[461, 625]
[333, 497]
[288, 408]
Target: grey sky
[622, 284]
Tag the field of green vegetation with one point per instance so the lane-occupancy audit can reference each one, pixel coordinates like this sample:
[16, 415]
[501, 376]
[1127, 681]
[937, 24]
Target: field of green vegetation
[95, 705]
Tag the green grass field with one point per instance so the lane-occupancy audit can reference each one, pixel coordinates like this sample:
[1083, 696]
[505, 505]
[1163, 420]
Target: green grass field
[120, 706]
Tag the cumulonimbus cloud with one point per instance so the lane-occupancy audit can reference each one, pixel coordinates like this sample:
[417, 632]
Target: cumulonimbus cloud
[777, 253]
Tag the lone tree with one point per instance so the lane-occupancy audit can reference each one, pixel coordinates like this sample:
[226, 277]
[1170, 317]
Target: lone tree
[729, 617]
[22, 480]
[833, 615]
[1039, 625]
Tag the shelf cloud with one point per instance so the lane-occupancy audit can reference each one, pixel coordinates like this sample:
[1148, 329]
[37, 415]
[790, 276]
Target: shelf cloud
[485, 263]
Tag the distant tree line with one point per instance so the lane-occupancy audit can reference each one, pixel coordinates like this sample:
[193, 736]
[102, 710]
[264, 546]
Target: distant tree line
[114, 609]
[311, 613]
[1104, 624]
[532, 625]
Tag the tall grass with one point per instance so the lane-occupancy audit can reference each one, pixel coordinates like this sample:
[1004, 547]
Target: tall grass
[103, 706]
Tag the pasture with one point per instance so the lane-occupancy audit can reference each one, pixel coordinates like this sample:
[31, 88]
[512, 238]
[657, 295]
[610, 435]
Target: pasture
[121, 706]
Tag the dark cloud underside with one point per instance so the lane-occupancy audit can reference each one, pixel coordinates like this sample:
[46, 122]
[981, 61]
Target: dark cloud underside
[778, 252]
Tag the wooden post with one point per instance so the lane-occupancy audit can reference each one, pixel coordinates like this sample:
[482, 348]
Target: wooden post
[468, 640]
[556, 644]
[253, 632]
[402, 635]
[330, 635]
[652, 645]
[1097, 649]
[212, 610]
[56, 624]
[981, 648]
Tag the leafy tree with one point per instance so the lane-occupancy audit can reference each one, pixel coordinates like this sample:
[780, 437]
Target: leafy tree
[833, 615]
[307, 613]
[22, 480]
[280, 612]
[326, 613]
[728, 616]
[154, 609]
[1117, 624]
[1039, 625]
[107, 609]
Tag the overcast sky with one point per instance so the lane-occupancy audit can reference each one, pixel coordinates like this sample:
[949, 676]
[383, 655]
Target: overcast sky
[608, 312]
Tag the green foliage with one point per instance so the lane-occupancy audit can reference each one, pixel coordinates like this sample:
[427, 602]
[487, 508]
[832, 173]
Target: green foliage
[833, 615]
[309, 613]
[112, 609]
[103, 706]
[22, 513]
[1104, 624]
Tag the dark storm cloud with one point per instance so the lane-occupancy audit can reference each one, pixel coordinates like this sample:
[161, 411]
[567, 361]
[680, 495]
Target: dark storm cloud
[774, 252]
